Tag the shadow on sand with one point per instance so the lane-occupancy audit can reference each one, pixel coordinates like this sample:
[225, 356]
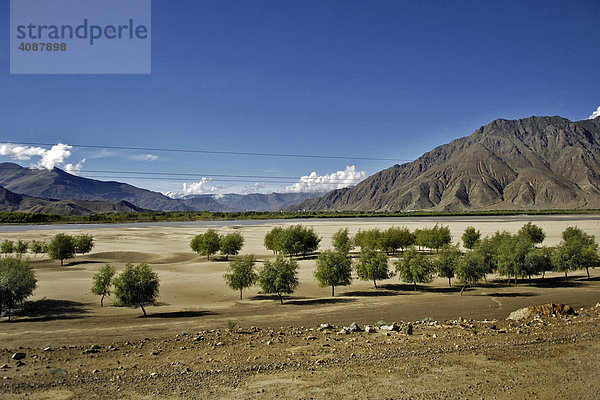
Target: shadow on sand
[516, 294]
[48, 310]
[370, 293]
[312, 302]
[180, 314]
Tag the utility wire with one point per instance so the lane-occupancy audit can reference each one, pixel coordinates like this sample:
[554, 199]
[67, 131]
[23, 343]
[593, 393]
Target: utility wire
[169, 174]
[237, 153]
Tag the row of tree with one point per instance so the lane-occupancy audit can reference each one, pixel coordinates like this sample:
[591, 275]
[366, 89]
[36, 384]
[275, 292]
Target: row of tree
[60, 247]
[510, 255]
[394, 239]
[136, 286]
[210, 242]
[293, 240]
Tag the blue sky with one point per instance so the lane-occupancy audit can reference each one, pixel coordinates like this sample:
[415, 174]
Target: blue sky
[381, 79]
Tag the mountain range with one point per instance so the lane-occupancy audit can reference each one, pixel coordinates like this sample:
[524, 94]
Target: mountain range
[15, 202]
[532, 163]
[57, 184]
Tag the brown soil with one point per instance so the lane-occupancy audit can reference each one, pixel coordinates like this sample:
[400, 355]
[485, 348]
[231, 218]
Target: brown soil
[285, 356]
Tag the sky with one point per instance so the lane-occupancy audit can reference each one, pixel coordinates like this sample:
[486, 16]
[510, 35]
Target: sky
[371, 83]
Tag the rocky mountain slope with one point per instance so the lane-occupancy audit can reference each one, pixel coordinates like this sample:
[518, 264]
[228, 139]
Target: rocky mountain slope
[58, 184]
[262, 201]
[532, 163]
[14, 202]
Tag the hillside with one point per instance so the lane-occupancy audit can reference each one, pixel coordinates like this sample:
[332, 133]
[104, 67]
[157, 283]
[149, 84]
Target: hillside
[14, 202]
[58, 184]
[262, 201]
[532, 163]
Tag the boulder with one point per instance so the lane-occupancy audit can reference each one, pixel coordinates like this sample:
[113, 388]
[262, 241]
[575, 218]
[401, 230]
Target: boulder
[354, 327]
[551, 309]
[18, 356]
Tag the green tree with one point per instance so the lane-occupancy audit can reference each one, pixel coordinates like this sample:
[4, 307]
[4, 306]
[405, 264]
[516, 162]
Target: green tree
[21, 247]
[511, 256]
[84, 243]
[136, 286]
[433, 238]
[395, 238]
[422, 238]
[470, 237]
[207, 243]
[241, 274]
[298, 239]
[231, 244]
[446, 261]
[576, 251]
[36, 247]
[405, 238]
[487, 249]
[537, 261]
[17, 282]
[102, 282]
[279, 276]
[7, 247]
[368, 239]
[533, 233]
[440, 236]
[61, 247]
[334, 268]
[470, 269]
[372, 265]
[341, 241]
[274, 239]
[414, 268]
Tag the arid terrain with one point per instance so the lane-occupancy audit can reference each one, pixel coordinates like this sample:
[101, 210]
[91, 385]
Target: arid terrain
[183, 349]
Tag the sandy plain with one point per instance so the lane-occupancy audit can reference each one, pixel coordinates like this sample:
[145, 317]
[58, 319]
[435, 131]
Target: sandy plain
[194, 298]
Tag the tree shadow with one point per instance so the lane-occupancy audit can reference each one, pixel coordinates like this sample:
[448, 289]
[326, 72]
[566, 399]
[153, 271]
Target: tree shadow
[557, 281]
[447, 289]
[48, 310]
[179, 314]
[82, 262]
[516, 294]
[310, 302]
[369, 293]
[275, 297]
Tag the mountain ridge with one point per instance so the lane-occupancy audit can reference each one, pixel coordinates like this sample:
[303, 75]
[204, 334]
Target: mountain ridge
[14, 202]
[536, 162]
[60, 185]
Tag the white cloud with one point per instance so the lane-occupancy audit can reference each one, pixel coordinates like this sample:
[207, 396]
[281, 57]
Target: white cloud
[107, 153]
[55, 156]
[320, 183]
[195, 188]
[48, 158]
[254, 188]
[145, 157]
[74, 169]
[20, 152]
[595, 114]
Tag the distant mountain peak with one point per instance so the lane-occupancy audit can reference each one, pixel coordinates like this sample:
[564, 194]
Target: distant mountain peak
[531, 163]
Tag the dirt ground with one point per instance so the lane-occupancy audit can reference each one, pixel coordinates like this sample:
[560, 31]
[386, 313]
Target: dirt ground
[275, 350]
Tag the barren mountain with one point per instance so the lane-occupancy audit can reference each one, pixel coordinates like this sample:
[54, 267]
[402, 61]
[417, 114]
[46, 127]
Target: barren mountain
[262, 201]
[58, 184]
[10, 201]
[532, 163]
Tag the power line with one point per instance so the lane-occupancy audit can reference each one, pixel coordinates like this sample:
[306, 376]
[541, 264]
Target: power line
[236, 153]
[127, 174]
[354, 181]
[189, 175]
